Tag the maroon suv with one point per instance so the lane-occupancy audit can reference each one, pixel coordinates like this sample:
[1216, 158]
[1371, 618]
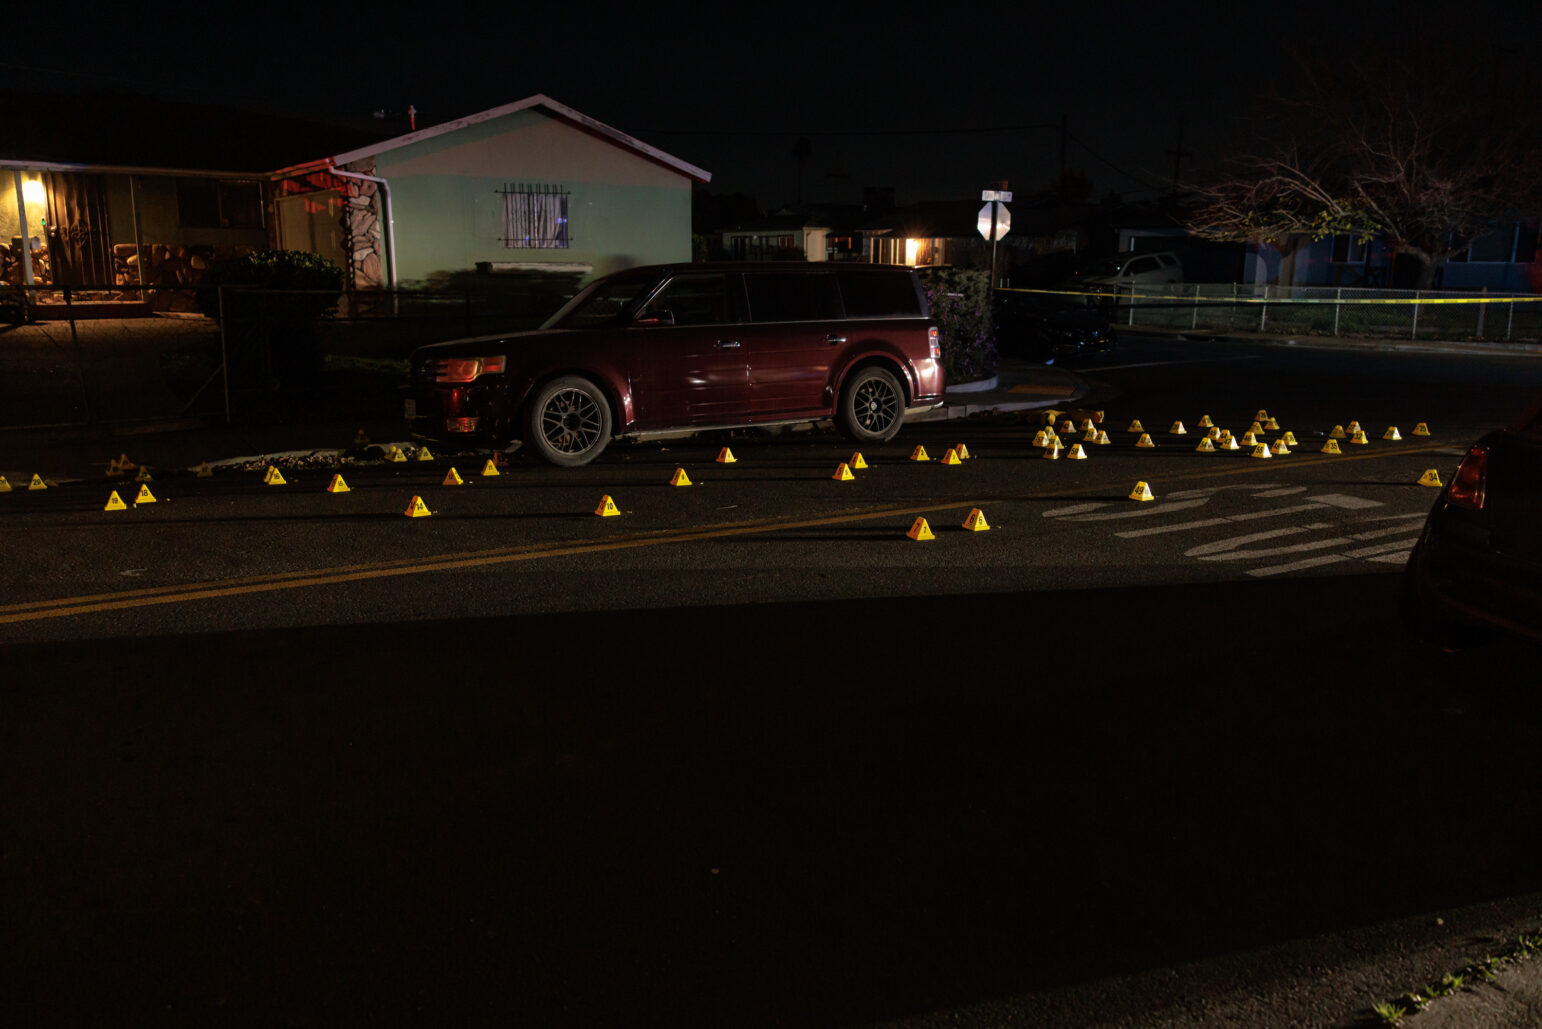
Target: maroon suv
[690, 347]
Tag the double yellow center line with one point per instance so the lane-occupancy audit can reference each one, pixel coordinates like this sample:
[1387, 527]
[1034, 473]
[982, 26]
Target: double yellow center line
[64, 607]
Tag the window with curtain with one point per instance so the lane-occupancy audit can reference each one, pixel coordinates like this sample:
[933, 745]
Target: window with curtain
[535, 216]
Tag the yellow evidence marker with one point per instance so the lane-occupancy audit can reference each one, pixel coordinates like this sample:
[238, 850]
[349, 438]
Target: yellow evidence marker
[856, 462]
[144, 474]
[424, 455]
[1331, 447]
[607, 508]
[951, 457]
[203, 471]
[1177, 430]
[1338, 433]
[417, 509]
[1206, 446]
[452, 477]
[843, 473]
[5, 486]
[726, 456]
[1431, 477]
[145, 496]
[115, 503]
[1391, 433]
[1052, 452]
[1205, 422]
[1136, 426]
[680, 478]
[1076, 453]
[1145, 442]
[337, 485]
[490, 469]
[963, 452]
[1142, 492]
[274, 477]
[920, 530]
[976, 520]
[919, 454]
[37, 482]
[1421, 429]
[1261, 450]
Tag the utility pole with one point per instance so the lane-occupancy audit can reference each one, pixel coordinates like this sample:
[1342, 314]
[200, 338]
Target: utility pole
[1178, 155]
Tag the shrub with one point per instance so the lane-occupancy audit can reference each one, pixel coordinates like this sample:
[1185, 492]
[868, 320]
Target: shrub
[271, 300]
[961, 307]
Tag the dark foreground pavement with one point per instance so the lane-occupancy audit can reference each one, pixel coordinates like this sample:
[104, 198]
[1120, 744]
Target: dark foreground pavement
[820, 814]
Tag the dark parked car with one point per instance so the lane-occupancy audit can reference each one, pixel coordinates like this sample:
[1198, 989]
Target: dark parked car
[1479, 561]
[1040, 328]
[696, 347]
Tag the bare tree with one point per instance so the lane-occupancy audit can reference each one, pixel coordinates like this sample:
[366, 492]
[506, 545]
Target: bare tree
[1418, 150]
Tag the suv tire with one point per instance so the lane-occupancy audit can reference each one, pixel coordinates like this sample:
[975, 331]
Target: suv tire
[872, 406]
[567, 421]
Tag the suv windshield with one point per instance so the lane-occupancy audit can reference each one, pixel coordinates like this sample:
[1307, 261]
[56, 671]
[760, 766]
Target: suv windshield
[601, 303]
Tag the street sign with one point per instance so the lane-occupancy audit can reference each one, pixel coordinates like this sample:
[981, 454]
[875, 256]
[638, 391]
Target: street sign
[994, 216]
[1004, 195]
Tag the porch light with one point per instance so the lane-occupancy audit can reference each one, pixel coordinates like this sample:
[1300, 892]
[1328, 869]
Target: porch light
[32, 191]
[912, 247]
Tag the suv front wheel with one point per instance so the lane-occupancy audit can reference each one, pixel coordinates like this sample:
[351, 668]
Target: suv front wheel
[567, 421]
[872, 406]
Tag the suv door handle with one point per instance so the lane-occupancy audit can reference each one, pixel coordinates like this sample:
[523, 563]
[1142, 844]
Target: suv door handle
[727, 344]
[833, 339]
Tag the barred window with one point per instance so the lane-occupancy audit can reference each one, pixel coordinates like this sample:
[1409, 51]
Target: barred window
[535, 216]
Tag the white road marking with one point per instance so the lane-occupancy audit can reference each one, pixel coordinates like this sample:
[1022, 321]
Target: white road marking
[1399, 558]
[1308, 562]
[1205, 550]
[1390, 531]
[1144, 511]
[1381, 548]
[1061, 512]
[1346, 502]
[1203, 523]
[1287, 491]
[1297, 548]
[1161, 364]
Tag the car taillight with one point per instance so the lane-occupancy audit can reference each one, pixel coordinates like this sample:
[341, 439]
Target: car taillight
[1466, 488]
[931, 339]
[466, 369]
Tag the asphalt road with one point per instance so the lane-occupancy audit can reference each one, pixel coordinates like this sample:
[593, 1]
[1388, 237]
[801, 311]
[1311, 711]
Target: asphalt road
[746, 754]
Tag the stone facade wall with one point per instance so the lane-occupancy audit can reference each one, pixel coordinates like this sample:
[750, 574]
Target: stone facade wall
[365, 243]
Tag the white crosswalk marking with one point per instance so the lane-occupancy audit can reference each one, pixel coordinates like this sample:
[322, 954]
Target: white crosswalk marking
[1231, 543]
[1296, 566]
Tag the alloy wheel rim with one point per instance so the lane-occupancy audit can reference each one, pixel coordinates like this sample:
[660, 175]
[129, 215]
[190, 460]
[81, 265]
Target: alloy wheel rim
[876, 405]
[570, 421]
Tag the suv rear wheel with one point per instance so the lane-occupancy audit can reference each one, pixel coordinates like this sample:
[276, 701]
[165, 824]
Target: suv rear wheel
[567, 422]
[872, 406]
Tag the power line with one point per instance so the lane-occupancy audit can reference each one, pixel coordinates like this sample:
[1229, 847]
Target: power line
[983, 130]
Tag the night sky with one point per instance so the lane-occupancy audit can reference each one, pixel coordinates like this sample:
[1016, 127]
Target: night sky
[934, 99]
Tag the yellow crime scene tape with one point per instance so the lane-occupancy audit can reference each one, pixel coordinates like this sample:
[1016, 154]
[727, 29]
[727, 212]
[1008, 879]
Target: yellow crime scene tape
[1170, 298]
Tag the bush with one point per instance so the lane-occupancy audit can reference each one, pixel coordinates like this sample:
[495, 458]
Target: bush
[271, 300]
[961, 307]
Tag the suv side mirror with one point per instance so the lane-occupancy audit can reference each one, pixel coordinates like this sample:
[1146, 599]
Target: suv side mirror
[657, 318]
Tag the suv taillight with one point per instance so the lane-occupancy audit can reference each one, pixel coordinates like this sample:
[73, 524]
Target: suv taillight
[1467, 486]
[931, 339]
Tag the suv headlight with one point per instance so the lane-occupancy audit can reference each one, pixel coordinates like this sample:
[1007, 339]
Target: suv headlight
[467, 369]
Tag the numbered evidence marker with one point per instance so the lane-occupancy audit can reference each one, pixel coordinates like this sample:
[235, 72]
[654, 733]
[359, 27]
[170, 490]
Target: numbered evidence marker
[607, 508]
[115, 503]
[920, 530]
[417, 509]
[1142, 492]
[976, 520]
[1431, 477]
[145, 496]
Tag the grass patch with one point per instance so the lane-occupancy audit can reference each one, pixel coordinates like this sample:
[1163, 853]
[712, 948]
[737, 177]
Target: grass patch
[1390, 1012]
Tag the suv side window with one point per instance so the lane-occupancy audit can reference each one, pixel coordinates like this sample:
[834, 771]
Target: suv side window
[792, 296]
[689, 300]
[1140, 266]
[871, 294]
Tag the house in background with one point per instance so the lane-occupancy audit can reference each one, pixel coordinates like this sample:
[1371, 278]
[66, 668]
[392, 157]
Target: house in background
[780, 237]
[529, 186]
[89, 198]
[1501, 261]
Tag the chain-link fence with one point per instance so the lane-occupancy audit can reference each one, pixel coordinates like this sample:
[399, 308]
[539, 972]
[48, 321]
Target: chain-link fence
[1320, 311]
[81, 356]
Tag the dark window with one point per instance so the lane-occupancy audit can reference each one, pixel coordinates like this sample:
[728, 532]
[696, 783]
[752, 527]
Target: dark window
[792, 297]
[876, 294]
[210, 203]
[1494, 246]
[690, 300]
[1526, 244]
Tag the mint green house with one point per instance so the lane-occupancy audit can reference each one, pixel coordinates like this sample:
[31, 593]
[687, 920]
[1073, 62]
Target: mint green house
[531, 185]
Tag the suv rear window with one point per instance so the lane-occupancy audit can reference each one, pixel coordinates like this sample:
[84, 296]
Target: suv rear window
[792, 296]
[878, 294]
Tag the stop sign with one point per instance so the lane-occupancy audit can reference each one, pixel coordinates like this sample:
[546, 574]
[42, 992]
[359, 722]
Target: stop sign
[1003, 219]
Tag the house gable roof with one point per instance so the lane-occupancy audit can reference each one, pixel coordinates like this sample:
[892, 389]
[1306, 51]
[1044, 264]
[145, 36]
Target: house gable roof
[540, 100]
